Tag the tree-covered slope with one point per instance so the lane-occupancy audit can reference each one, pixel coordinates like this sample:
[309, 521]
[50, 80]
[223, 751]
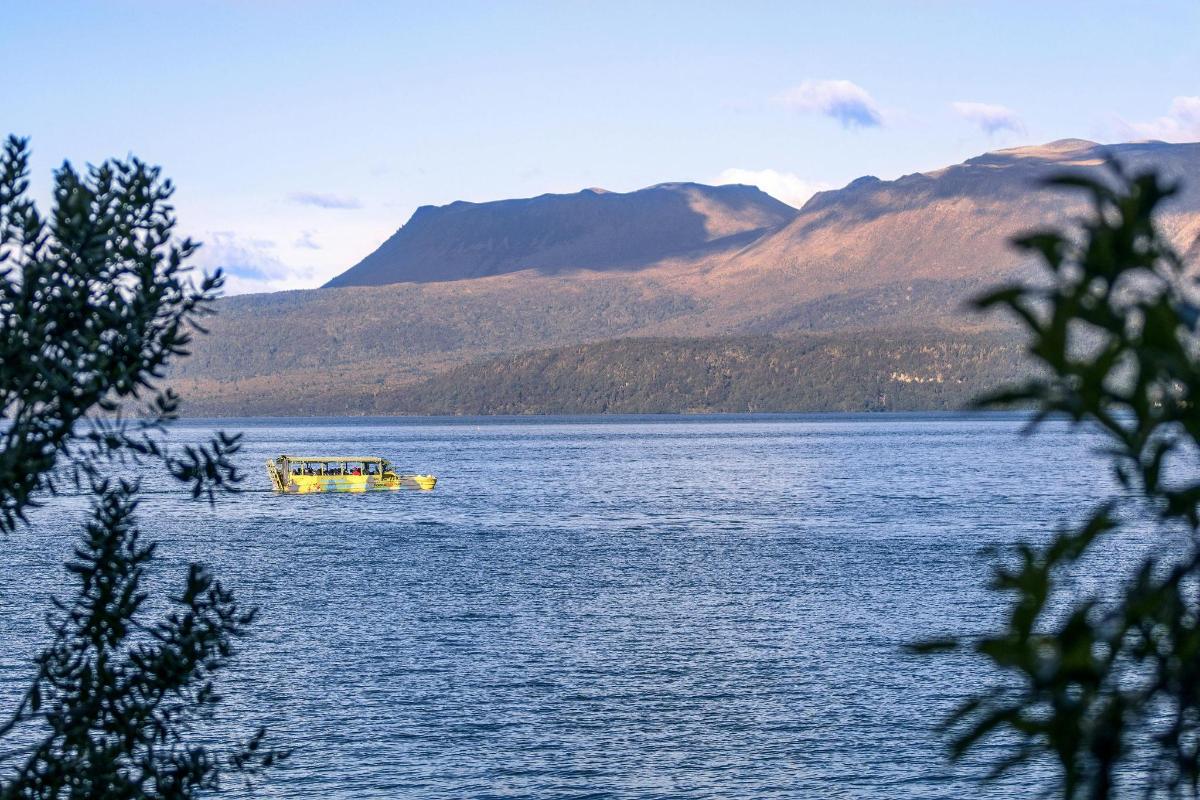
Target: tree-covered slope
[736, 374]
[859, 372]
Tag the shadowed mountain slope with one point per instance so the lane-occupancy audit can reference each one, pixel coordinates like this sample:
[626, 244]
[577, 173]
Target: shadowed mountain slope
[591, 229]
[873, 257]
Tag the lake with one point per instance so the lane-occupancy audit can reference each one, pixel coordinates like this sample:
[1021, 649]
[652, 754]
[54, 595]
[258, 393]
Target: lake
[607, 607]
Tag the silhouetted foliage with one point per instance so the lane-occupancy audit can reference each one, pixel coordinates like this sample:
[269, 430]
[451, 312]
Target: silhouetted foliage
[95, 302]
[1106, 681]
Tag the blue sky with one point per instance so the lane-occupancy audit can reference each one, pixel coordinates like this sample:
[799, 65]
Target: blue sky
[302, 134]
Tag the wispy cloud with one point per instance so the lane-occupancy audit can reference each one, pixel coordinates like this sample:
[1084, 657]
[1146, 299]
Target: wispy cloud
[1181, 123]
[306, 241]
[240, 257]
[324, 200]
[247, 264]
[785, 186]
[847, 102]
[990, 118]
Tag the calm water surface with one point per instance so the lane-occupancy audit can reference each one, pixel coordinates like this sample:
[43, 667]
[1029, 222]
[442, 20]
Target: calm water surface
[608, 608]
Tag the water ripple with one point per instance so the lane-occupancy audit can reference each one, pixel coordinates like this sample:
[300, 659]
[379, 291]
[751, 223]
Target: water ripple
[592, 609]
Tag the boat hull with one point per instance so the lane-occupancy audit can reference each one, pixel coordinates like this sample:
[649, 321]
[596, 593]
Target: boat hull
[305, 484]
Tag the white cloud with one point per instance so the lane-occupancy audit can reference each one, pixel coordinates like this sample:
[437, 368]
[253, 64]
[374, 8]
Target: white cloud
[247, 264]
[785, 186]
[847, 102]
[321, 200]
[991, 119]
[1180, 124]
[305, 240]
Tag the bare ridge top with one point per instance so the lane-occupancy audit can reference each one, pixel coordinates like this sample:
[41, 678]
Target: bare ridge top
[972, 206]
[1053, 148]
[554, 233]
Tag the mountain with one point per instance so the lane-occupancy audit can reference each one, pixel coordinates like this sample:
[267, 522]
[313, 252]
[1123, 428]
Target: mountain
[944, 232]
[868, 260]
[592, 229]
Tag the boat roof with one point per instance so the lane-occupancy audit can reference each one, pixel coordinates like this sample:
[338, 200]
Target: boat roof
[333, 458]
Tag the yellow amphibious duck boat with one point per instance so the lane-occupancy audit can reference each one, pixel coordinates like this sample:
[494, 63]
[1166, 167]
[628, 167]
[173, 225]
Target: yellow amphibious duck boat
[308, 474]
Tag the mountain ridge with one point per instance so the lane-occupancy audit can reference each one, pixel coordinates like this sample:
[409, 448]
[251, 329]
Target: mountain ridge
[555, 233]
[872, 257]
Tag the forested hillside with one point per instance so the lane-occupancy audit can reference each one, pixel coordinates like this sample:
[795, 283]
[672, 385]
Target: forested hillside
[900, 371]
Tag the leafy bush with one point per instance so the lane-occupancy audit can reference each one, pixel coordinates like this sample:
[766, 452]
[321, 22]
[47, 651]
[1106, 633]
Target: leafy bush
[95, 303]
[1106, 683]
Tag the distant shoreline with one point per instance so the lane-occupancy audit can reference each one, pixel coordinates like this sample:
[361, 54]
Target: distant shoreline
[574, 419]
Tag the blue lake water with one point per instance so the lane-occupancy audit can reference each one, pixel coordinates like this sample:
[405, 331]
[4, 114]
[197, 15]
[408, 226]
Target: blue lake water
[608, 608]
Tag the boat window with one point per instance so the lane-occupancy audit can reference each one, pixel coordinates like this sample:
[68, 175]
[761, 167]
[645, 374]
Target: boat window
[372, 468]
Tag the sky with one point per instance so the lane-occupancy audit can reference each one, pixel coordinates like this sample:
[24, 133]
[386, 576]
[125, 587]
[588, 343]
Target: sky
[302, 134]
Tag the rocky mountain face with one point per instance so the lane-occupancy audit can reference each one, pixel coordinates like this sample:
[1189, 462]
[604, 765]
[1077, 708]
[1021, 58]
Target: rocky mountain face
[592, 229]
[475, 281]
[945, 232]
